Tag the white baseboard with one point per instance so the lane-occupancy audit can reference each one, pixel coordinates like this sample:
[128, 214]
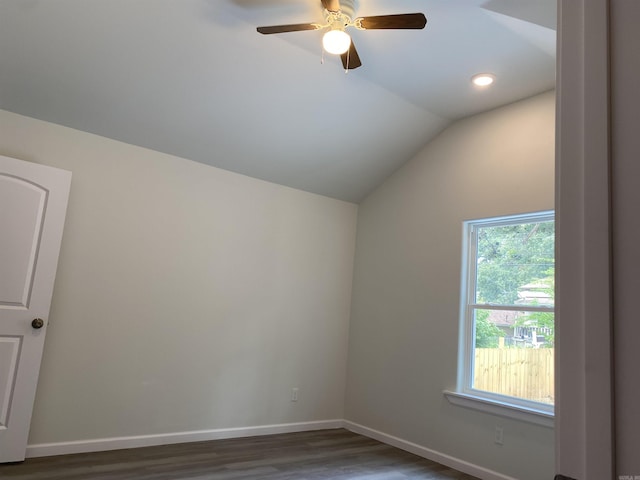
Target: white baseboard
[117, 443]
[449, 461]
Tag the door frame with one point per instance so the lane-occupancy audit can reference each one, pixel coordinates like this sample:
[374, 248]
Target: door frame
[584, 425]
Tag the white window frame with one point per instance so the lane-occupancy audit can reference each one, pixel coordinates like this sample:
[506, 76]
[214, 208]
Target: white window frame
[465, 395]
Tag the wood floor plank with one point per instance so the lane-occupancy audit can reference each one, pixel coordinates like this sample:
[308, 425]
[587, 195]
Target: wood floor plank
[320, 455]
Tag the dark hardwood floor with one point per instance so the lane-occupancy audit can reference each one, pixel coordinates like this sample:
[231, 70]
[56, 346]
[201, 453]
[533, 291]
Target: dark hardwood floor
[324, 454]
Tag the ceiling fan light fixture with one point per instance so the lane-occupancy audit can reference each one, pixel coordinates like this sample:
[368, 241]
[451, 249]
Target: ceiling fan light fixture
[483, 79]
[336, 42]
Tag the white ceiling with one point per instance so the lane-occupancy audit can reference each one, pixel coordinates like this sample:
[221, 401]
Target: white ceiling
[193, 78]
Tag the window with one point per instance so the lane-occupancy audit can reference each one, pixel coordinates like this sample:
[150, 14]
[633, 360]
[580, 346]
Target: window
[507, 310]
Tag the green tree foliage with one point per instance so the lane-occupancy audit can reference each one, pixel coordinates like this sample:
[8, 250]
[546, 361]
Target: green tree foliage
[515, 259]
[510, 257]
[487, 333]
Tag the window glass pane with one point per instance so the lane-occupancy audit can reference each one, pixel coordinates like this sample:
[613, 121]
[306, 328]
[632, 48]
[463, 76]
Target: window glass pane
[515, 264]
[513, 354]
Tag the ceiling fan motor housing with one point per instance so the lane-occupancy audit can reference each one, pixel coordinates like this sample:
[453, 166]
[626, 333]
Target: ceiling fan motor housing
[347, 8]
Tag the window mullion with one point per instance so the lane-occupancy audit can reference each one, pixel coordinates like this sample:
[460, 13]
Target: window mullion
[519, 308]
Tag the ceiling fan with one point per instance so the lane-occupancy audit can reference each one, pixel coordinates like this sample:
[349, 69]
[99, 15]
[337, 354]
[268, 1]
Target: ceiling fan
[339, 14]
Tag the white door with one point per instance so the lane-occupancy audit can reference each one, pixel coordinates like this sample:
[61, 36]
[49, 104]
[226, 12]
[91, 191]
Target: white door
[33, 203]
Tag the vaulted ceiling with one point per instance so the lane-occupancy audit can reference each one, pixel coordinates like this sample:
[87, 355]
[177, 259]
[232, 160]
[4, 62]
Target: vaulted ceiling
[193, 78]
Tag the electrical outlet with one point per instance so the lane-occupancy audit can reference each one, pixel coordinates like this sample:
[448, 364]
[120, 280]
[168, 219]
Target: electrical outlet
[294, 394]
[498, 436]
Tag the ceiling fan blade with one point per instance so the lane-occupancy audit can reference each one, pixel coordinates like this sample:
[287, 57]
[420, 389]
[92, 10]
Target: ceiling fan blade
[351, 59]
[296, 27]
[331, 5]
[403, 21]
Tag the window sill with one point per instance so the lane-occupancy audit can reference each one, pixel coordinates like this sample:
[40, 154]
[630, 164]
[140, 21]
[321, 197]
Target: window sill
[517, 412]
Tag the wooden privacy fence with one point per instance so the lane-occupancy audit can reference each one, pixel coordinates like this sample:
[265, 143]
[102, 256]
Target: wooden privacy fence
[517, 372]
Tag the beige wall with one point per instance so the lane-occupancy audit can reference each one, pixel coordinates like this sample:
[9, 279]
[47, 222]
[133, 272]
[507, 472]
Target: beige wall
[187, 297]
[405, 309]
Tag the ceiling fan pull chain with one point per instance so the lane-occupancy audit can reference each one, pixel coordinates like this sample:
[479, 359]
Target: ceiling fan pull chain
[322, 56]
[346, 70]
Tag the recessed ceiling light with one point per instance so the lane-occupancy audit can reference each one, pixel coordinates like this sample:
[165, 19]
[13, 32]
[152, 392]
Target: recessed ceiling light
[483, 79]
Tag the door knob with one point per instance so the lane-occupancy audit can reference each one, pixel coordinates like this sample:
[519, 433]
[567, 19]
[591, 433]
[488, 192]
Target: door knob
[37, 323]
